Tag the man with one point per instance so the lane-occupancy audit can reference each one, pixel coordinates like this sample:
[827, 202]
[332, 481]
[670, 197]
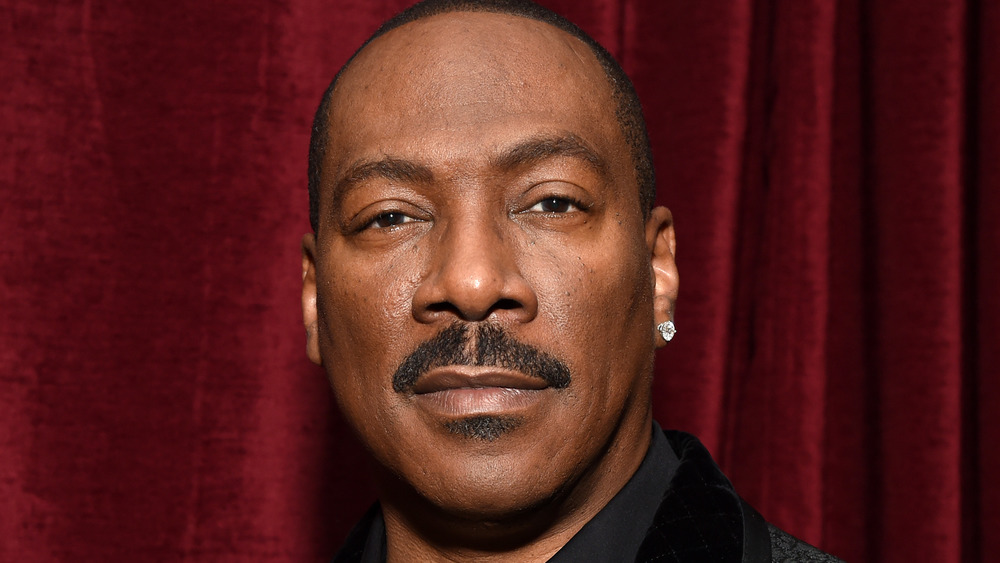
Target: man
[486, 286]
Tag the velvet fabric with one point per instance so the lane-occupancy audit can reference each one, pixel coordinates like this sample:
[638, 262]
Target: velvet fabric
[700, 517]
[832, 170]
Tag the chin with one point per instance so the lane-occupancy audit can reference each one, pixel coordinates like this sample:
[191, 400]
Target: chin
[500, 487]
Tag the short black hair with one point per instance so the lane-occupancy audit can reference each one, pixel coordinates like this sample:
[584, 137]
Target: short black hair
[628, 108]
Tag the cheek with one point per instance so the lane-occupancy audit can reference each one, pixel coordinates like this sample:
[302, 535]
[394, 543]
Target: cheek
[597, 306]
[596, 292]
[364, 323]
[367, 304]
[617, 308]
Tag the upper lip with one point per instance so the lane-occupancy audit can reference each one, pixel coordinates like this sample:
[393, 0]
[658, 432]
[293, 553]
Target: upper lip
[472, 377]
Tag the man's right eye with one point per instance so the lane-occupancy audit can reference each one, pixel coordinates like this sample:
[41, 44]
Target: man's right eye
[389, 219]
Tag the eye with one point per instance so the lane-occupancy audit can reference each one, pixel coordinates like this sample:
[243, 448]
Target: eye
[389, 219]
[555, 205]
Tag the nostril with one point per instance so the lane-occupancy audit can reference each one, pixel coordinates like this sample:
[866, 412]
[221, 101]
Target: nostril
[443, 307]
[468, 313]
[507, 304]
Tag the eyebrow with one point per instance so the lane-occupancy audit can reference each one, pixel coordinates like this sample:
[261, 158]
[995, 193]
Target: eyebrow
[389, 168]
[537, 149]
[524, 154]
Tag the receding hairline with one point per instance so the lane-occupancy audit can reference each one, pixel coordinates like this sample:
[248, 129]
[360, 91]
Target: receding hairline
[626, 107]
[574, 44]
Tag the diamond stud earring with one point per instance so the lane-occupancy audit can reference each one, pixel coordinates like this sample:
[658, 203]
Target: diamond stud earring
[667, 330]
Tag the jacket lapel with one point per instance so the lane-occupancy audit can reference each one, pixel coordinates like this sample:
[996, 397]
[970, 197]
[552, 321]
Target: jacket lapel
[700, 518]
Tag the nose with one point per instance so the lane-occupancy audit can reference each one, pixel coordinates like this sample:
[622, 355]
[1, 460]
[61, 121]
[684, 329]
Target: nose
[474, 275]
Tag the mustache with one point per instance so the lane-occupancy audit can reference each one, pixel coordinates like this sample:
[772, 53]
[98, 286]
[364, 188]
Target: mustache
[495, 347]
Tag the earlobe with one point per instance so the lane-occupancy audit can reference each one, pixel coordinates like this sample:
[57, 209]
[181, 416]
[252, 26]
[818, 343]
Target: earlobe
[309, 312]
[666, 282]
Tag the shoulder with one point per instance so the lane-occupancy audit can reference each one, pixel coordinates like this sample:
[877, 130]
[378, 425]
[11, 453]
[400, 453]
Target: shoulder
[786, 548]
[703, 484]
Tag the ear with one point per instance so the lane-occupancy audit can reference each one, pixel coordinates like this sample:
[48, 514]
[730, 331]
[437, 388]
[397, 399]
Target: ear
[662, 247]
[309, 312]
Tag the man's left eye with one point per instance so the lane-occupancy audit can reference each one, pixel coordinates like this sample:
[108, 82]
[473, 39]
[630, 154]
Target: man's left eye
[389, 219]
[555, 205]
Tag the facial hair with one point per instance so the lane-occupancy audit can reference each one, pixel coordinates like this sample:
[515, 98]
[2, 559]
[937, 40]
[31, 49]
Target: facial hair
[494, 347]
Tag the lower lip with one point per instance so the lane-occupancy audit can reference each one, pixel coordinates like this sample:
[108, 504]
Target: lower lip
[469, 401]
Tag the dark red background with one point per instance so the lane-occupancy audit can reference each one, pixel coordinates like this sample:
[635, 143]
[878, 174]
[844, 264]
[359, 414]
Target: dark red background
[832, 167]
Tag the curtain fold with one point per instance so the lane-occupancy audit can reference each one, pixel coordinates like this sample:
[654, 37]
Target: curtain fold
[697, 113]
[917, 134]
[981, 496]
[777, 363]
[832, 171]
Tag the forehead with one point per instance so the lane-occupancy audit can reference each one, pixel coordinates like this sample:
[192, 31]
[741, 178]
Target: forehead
[470, 76]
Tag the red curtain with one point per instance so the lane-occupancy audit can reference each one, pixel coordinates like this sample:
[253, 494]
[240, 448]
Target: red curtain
[832, 170]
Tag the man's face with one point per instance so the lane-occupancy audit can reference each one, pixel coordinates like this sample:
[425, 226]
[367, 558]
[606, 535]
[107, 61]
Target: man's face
[480, 289]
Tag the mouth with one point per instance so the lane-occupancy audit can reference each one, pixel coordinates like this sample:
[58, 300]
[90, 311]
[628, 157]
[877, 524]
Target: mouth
[464, 391]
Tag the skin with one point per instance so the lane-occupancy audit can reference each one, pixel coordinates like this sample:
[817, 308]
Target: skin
[476, 174]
